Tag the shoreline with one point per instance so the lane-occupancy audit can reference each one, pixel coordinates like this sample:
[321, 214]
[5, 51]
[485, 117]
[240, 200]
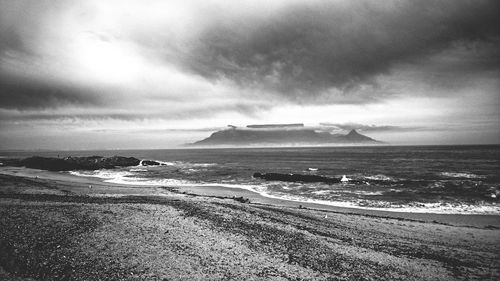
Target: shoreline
[56, 228]
[468, 220]
[451, 192]
[79, 185]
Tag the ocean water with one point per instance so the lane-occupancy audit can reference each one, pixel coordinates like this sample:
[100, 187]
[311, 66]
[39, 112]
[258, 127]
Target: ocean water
[440, 179]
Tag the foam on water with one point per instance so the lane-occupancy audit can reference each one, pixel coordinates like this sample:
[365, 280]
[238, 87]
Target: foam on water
[405, 179]
[370, 193]
[149, 182]
[125, 177]
[416, 207]
[379, 177]
[461, 175]
[103, 174]
[138, 170]
[179, 164]
[128, 178]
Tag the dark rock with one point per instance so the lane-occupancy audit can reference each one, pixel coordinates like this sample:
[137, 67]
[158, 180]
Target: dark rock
[74, 163]
[295, 178]
[51, 164]
[242, 199]
[150, 163]
[99, 162]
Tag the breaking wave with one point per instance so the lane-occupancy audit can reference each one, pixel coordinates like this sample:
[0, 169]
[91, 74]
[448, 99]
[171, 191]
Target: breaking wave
[336, 197]
[102, 174]
[179, 164]
[128, 178]
[461, 175]
[379, 177]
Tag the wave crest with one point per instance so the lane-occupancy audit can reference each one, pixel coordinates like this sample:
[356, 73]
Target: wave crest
[461, 175]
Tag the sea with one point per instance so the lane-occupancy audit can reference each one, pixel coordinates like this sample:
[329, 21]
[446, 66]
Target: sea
[429, 179]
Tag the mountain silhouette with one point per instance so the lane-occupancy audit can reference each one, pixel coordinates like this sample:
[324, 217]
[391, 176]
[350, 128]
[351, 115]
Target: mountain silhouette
[280, 136]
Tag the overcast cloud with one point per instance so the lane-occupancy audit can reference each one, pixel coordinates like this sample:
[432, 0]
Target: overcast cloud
[130, 65]
[307, 49]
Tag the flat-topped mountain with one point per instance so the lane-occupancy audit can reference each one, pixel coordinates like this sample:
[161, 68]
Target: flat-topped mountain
[263, 135]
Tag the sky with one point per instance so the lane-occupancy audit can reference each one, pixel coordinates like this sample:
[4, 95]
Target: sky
[118, 74]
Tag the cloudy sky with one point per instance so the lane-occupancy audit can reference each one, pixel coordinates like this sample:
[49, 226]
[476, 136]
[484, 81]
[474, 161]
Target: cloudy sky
[85, 74]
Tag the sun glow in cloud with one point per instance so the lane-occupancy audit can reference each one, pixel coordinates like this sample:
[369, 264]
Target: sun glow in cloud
[109, 62]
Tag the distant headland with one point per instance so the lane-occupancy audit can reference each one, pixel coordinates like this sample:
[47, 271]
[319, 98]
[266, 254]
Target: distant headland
[279, 135]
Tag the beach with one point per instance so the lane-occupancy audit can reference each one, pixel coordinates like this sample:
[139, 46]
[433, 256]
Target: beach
[249, 140]
[54, 226]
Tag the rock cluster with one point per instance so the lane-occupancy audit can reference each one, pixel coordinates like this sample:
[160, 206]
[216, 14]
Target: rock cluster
[295, 178]
[150, 163]
[74, 163]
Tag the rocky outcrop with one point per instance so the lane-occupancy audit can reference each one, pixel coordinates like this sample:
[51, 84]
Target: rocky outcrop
[74, 163]
[150, 163]
[295, 178]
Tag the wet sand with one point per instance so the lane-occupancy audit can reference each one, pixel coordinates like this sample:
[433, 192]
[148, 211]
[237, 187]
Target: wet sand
[54, 227]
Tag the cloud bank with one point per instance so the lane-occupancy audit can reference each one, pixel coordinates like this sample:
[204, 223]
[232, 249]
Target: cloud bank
[221, 62]
[366, 128]
[309, 49]
[300, 50]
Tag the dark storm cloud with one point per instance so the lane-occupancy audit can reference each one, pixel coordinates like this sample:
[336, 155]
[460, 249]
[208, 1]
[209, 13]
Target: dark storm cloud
[23, 93]
[310, 48]
[74, 117]
[10, 39]
[20, 23]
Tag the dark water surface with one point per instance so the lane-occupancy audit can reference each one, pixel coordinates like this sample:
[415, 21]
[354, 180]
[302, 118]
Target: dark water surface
[450, 179]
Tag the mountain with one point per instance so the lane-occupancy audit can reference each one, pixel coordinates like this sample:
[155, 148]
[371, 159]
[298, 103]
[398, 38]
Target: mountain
[356, 137]
[280, 136]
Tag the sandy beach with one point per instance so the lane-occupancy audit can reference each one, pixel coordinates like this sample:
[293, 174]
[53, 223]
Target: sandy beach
[54, 226]
[249, 140]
